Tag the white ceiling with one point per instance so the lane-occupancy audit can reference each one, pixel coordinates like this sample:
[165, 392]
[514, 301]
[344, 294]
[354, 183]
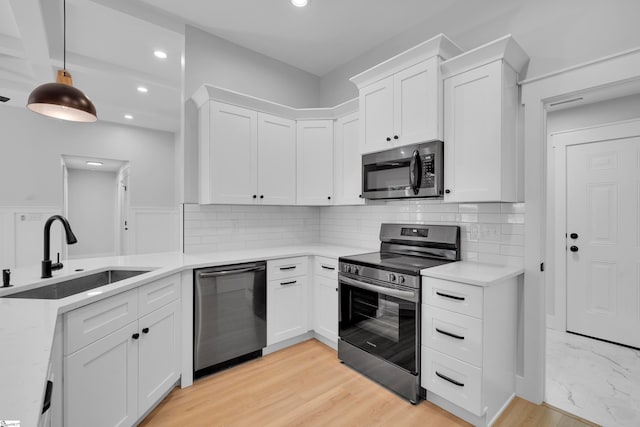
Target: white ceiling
[79, 162]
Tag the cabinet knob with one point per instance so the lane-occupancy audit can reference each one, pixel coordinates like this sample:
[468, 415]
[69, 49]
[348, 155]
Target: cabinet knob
[573, 249]
[336, 289]
[255, 196]
[574, 235]
[145, 330]
[262, 196]
[447, 191]
[329, 198]
[360, 195]
[135, 336]
[388, 139]
[395, 137]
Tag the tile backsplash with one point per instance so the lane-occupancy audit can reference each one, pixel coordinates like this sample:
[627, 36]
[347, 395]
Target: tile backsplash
[491, 232]
[212, 228]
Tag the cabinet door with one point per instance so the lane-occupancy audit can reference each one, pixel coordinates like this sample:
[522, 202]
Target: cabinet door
[325, 307]
[472, 152]
[232, 161]
[276, 160]
[376, 115]
[347, 179]
[158, 354]
[286, 309]
[417, 104]
[315, 162]
[101, 380]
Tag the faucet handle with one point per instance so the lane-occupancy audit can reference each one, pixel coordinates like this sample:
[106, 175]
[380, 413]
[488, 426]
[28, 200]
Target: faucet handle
[57, 265]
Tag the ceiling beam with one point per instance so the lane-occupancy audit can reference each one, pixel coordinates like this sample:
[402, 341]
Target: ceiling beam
[145, 12]
[11, 46]
[30, 22]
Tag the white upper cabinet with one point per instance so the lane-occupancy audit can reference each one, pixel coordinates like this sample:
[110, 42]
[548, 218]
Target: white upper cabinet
[482, 151]
[315, 162]
[228, 154]
[401, 98]
[276, 160]
[347, 162]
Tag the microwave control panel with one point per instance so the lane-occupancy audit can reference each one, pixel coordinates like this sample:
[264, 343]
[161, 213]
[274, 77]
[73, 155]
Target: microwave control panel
[428, 167]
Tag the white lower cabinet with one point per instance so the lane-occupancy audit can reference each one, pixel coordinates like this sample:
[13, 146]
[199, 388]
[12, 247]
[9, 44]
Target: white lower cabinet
[287, 296]
[468, 352]
[325, 299]
[115, 378]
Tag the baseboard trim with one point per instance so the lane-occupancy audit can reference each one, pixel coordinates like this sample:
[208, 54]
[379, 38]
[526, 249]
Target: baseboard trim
[502, 409]
[288, 343]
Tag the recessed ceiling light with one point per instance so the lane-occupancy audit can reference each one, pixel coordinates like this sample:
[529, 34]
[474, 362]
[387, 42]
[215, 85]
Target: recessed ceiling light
[95, 163]
[299, 3]
[128, 116]
[160, 54]
[142, 89]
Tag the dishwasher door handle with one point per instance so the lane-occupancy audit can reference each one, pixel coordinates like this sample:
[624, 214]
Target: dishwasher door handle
[229, 272]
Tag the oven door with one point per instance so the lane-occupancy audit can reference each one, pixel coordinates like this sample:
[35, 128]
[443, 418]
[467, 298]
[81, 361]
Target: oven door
[380, 320]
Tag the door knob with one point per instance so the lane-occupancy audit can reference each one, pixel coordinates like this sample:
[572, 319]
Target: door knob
[573, 249]
[574, 235]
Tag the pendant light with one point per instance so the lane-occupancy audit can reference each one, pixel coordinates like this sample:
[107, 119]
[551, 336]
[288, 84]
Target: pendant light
[61, 100]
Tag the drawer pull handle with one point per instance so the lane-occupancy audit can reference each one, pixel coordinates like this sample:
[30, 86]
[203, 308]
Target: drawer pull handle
[449, 334]
[288, 283]
[145, 330]
[450, 296]
[291, 267]
[452, 381]
[326, 267]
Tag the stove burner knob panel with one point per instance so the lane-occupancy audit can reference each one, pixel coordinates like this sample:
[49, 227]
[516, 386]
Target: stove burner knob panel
[401, 279]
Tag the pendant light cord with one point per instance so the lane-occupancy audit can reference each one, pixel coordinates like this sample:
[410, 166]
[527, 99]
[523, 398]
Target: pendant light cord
[64, 35]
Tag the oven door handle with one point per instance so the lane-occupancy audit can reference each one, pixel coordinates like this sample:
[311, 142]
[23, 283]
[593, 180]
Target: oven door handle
[398, 293]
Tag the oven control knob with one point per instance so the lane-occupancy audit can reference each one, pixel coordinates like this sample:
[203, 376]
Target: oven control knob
[392, 277]
[355, 269]
[401, 279]
[347, 269]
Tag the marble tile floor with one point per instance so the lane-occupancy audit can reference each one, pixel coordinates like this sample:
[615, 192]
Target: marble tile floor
[594, 380]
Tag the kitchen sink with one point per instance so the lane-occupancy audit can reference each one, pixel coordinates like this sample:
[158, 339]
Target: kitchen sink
[76, 286]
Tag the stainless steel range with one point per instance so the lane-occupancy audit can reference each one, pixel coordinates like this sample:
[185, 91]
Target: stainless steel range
[379, 327]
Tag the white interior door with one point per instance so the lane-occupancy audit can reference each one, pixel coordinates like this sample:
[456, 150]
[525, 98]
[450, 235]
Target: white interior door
[603, 233]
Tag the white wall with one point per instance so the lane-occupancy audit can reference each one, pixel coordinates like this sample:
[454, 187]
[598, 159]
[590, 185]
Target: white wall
[555, 34]
[31, 173]
[92, 211]
[614, 110]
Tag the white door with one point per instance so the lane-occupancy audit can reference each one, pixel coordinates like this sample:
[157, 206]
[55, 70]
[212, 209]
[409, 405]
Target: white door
[603, 233]
[315, 162]
[233, 154]
[101, 380]
[276, 160]
[286, 308]
[376, 115]
[347, 162]
[158, 354]
[325, 307]
[417, 103]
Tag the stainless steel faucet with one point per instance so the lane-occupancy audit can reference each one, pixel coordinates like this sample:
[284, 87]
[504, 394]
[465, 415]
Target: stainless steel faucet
[47, 265]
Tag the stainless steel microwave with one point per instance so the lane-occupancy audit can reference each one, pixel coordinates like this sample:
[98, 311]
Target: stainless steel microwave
[404, 172]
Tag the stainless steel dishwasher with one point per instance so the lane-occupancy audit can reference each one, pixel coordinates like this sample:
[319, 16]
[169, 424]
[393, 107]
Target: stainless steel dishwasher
[230, 315]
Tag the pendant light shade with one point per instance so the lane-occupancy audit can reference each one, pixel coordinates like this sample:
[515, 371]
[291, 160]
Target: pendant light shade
[61, 100]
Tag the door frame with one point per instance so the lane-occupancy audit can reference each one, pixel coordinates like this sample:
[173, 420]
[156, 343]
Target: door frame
[537, 94]
[562, 140]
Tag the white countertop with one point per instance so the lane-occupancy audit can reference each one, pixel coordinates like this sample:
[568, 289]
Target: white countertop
[27, 325]
[473, 273]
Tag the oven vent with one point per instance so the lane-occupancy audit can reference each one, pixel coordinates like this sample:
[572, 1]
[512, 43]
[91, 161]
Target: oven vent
[4, 98]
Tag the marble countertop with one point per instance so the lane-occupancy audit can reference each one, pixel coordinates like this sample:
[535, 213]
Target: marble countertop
[27, 325]
[473, 273]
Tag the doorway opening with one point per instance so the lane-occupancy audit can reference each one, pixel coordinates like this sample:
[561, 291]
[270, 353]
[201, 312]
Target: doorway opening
[96, 203]
[593, 241]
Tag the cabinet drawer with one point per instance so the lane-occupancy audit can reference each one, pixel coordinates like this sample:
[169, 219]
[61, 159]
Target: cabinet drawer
[157, 294]
[94, 321]
[454, 296]
[326, 267]
[286, 267]
[456, 381]
[454, 334]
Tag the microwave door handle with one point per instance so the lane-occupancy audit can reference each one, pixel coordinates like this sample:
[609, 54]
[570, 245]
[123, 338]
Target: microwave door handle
[415, 172]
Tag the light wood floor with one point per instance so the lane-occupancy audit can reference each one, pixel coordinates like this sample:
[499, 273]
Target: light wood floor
[306, 385]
